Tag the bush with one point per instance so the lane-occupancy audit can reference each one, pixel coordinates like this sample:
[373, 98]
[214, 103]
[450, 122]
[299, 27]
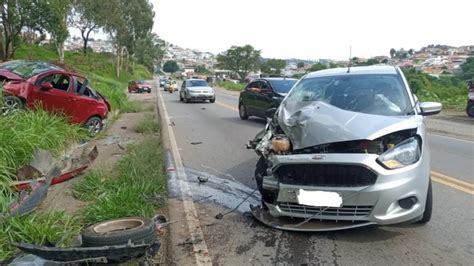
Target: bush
[230, 85]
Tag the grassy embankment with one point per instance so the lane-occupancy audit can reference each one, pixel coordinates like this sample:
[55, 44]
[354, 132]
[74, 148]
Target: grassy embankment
[24, 132]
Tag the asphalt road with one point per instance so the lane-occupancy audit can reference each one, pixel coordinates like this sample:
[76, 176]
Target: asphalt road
[211, 139]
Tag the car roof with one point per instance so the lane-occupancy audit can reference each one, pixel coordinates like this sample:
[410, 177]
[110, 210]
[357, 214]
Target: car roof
[359, 70]
[275, 78]
[195, 79]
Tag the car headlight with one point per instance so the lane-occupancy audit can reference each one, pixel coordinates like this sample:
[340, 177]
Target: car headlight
[405, 153]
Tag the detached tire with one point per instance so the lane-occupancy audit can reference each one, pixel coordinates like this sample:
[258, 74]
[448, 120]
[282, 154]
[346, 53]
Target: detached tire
[138, 230]
[426, 217]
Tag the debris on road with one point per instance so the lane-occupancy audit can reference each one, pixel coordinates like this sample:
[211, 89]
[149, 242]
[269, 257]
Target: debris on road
[202, 179]
[196, 143]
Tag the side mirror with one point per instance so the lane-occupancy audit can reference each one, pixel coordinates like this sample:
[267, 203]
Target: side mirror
[430, 108]
[46, 86]
[269, 113]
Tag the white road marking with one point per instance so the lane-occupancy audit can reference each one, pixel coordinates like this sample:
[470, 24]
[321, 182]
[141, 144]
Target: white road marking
[197, 237]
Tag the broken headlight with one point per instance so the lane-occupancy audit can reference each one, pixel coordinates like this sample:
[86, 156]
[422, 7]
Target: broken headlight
[405, 153]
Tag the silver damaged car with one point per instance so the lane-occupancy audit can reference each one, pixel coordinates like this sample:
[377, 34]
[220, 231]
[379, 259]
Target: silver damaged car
[346, 148]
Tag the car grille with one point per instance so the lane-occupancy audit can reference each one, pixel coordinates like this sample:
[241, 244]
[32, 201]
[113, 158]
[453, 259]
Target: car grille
[325, 175]
[344, 211]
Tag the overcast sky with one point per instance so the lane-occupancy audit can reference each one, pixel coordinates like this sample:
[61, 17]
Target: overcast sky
[310, 29]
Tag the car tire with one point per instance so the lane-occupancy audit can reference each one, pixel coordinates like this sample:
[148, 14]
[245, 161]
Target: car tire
[186, 100]
[470, 109]
[94, 125]
[243, 112]
[137, 230]
[12, 104]
[213, 100]
[180, 97]
[426, 217]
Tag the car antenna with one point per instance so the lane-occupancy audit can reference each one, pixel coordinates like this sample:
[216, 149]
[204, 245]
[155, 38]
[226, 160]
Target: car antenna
[350, 61]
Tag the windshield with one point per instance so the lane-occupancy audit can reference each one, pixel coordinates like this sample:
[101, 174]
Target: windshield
[197, 83]
[140, 81]
[283, 85]
[27, 69]
[371, 94]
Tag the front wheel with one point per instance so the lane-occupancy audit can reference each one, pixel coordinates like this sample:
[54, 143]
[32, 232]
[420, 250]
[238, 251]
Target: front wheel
[213, 100]
[94, 125]
[12, 104]
[428, 206]
[470, 109]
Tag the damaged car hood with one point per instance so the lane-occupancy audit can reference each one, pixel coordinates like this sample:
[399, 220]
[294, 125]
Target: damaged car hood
[313, 123]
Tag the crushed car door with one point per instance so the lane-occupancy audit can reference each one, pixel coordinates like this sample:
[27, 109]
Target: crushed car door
[86, 100]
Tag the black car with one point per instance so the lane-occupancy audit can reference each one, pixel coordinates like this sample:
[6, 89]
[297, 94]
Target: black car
[262, 94]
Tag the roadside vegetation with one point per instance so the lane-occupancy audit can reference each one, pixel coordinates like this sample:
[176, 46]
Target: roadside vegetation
[22, 133]
[148, 125]
[135, 189]
[230, 85]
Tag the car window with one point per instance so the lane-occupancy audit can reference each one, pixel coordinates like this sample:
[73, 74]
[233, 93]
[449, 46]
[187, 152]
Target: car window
[197, 83]
[265, 86]
[373, 94]
[254, 86]
[59, 81]
[283, 86]
[87, 91]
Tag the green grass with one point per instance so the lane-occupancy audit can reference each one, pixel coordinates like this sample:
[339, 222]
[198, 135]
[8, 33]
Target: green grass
[148, 125]
[53, 227]
[23, 132]
[230, 85]
[449, 90]
[130, 192]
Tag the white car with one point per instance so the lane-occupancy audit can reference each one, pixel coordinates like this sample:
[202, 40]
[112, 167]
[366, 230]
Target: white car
[196, 90]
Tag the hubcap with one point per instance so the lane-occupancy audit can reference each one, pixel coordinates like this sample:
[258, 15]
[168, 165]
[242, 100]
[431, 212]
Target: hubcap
[242, 111]
[94, 126]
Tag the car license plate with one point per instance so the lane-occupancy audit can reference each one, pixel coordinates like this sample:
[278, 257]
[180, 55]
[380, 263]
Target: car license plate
[319, 198]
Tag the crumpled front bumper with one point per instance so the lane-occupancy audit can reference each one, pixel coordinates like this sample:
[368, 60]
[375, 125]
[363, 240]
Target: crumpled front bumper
[377, 203]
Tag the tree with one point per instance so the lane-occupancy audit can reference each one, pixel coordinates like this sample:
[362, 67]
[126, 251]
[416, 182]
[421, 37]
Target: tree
[148, 51]
[170, 66]
[240, 59]
[88, 16]
[201, 69]
[14, 15]
[54, 15]
[300, 64]
[467, 69]
[393, 53]
[317, 67]
[273, 66]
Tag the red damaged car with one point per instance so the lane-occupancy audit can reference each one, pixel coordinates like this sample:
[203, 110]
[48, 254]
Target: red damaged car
[29, 83]
[139, 86]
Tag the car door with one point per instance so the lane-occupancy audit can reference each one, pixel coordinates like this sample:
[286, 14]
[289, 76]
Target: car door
[60, 97]
[264, 98]
[251, 97]
[84, 102]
